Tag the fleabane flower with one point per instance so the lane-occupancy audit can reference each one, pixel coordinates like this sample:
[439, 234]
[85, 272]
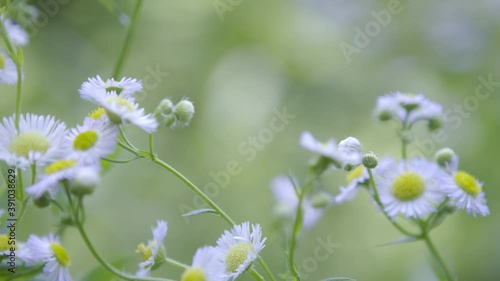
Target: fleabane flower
[206, 266]
[407, 108]
[92, 140]
[287, 201]
[121, 109]
[126, 87]
[48, 250]
[52, 175]
[17, 35]
[239, 248]
[153, 254]
[409, 187]
[38, 140]
[464, 189]
[8, 70]
[329, 150]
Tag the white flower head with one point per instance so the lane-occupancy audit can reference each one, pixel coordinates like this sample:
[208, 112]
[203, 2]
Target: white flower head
[287, 201]
[207, 266]
[53, 174]
[38, 140]
[92, 140]
[464, 189]
[121, 109]
[239, 248]
[8, 70]
[409, 187]
[328, 149]
[126, 87]
[17, 35]
[351, 150]
[152, 254]
[407, 108]
[48, 250]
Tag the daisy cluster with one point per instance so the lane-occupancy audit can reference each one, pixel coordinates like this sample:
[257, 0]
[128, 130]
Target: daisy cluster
[235, 252]
[415, 188]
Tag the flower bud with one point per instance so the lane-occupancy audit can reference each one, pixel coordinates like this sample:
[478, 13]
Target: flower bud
[385, 115]
[435, 124]
[444, 156]
[184, 112]
[43, 201]
[370, 160]
[321, 200]
[85, 181]
[165, 107]
[350, 145]
[166, 120]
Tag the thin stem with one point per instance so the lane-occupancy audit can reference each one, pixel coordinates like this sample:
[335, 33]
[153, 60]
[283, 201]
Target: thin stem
[176, 263]
[125, 139]
[195, 189]
[33, 174]
[119, 161]
[266, 268]
[404, 149]
[96, 255]
[128, 39]
[20, 184]
[19, 90]
[256, 275]
[381, 206]
[151, 147]
[129, 149]
[437, 256]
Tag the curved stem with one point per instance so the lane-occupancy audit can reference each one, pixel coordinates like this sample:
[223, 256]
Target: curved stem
[176, 263]
[256, 275]
[128, 39]
[381, 206]
[437, 256]
[119, 161]
[266, 268]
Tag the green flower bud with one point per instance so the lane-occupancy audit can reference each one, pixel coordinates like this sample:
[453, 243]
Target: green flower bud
[85, 181]
[385, 116]
[370, 160]
[184, 112]
[435, 124]
[43, 201]
[165, 107]
[444, 156]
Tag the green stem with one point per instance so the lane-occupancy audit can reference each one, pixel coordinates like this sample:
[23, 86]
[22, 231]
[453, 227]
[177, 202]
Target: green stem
[437, 256]
[256, 275]
[381, 206]
[266, 268]
[20, 185]
[96, 255]
[176, 263]
[404, 149]
[119, 161]
[128, 39]
[151, 147]
[195, 189]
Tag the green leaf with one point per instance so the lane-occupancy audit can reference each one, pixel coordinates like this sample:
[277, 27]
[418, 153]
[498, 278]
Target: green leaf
[198, 212]
[339, 279]
[407, 239]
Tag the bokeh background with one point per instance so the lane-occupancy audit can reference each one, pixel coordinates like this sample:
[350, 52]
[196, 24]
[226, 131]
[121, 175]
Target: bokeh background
[239, 65]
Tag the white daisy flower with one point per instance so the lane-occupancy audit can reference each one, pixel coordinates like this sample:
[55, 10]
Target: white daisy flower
[407, 108]
[122, 109]
[8, 70]
[48, 250]
[408, 187]
[153, 254]
[206, 266]
[18, 36]
[287, 201]
[328, 149]
[464, 189]
[126, 87]
[239, 248]
[38, 140]
[92, 140]
[53, 174]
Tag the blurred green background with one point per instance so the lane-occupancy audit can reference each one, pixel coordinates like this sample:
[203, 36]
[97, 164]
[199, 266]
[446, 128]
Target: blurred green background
[262, 55]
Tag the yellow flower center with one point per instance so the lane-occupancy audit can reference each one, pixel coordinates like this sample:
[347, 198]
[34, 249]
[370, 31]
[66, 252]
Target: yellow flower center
[237, 255]
[146, 252]
[193, 274]
[60, 254]
[118, 90]
[356, 173]
[468, 183]
[98, 113]
[4, 243]
[25, 142]
[122, 102]
[85, 140]
[408, 186]
[59, 166]
[2, 62]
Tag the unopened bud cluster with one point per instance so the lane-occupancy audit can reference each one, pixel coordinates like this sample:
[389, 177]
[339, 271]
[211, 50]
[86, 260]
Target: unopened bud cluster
[172, 116]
